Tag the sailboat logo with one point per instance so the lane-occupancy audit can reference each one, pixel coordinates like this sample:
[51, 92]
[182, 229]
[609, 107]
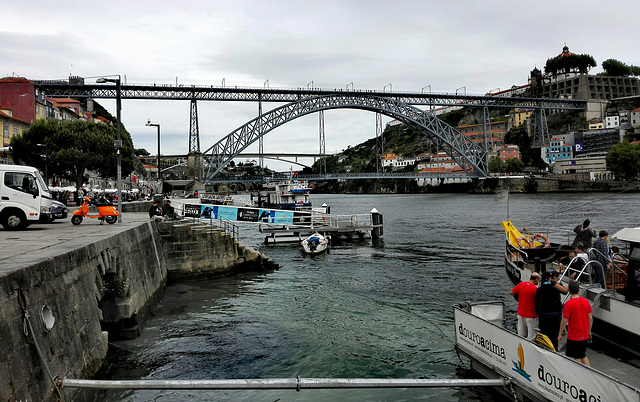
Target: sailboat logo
[519, 366]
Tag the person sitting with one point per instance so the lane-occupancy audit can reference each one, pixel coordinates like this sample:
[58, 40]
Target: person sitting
[169, 211]
[155, 212]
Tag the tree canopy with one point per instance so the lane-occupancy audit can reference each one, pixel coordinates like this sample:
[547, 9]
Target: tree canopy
[574, 62]
[72, 147]
[617, 68]
[623, 160]
[511, 165]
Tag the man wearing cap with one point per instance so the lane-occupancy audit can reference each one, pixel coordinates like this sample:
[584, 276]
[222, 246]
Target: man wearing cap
[525, 293]
[578, 314]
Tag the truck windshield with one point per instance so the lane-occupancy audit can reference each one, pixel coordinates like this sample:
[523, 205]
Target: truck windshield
[41, 182]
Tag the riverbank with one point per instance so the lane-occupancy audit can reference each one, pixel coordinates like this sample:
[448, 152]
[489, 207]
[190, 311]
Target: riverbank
[75, 288]
[488, 185]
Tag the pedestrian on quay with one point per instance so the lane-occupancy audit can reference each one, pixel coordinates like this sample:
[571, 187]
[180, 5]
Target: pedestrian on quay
[549, 306]
[578, 314]
[525, 293]
[584, 234]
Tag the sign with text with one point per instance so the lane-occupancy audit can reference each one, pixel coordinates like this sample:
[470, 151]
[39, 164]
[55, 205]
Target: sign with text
[245, 214]
[539, 370]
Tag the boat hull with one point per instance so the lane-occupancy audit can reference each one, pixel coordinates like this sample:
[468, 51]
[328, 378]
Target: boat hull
[536, 373]
[315, 244]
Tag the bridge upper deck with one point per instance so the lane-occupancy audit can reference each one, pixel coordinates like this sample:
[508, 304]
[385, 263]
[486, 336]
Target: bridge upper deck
[283, 95]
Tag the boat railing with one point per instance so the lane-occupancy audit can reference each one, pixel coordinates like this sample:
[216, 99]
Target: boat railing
[510, 247]
[576, 273]
[580, 274]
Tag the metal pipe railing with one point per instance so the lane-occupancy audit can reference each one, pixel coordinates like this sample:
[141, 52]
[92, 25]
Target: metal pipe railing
[281, 383]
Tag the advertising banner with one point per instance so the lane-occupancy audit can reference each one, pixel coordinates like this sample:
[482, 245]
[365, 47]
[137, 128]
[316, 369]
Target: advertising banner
[541, 371]
[245, 214]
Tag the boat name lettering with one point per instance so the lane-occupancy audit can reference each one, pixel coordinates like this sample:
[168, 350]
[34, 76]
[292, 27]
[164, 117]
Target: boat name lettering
[565, 387]
[480, 340]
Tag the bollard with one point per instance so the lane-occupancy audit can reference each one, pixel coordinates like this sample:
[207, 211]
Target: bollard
[376, 220]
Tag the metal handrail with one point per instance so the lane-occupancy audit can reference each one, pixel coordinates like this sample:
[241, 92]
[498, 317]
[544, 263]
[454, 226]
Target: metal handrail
[222, 223]
[297, 383]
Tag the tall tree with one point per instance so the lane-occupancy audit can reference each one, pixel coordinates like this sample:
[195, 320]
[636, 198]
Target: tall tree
[72, 147]
[617, 68]
[623, 160]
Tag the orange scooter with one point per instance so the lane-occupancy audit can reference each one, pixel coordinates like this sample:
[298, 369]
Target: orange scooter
[106, 212]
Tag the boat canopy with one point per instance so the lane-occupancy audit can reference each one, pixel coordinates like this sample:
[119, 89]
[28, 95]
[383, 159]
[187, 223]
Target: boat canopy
[631, 235]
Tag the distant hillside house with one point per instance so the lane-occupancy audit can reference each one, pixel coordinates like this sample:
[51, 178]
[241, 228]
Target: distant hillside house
[557, 150]
[495, 134]
[634, 117]
[509, 151]
[393, 160]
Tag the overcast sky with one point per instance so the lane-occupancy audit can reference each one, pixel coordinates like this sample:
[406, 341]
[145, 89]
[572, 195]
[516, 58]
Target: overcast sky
[447, 45]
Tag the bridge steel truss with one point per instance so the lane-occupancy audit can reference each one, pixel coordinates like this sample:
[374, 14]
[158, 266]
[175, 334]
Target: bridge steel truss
[470, 156]
[306, 100]
[170, 92]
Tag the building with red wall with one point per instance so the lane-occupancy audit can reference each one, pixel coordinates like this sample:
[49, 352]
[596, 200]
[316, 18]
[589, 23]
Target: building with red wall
[19, 95]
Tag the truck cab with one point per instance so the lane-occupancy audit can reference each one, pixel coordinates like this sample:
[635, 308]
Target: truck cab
[24, 196]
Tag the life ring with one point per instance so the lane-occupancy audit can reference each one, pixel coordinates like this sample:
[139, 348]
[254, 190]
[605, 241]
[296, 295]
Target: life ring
[541, 238]
[524, 242]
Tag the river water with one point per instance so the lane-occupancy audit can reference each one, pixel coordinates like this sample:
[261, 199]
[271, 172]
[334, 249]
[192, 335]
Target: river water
[367, 309]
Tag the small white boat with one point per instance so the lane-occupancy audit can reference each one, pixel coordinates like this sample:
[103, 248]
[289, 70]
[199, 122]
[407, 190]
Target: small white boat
[315, 244]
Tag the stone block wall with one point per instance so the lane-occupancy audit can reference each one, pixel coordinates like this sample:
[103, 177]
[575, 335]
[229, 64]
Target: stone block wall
[194, 251]
[86, 289]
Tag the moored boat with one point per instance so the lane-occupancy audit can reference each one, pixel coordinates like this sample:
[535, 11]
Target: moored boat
[616, 310]
[315, 243]
[536, 372]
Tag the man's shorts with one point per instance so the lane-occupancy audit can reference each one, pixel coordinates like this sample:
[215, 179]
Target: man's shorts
[577, 349]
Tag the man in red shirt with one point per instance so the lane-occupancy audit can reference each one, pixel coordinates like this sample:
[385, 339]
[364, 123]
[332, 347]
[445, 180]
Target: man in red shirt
[525, 293]
[577, 313]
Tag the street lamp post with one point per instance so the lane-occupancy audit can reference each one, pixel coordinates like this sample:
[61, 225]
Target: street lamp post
[149, 124]
[46, 163]
[118, 143]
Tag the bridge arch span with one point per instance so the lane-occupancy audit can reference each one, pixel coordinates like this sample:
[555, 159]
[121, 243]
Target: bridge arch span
[472, 157]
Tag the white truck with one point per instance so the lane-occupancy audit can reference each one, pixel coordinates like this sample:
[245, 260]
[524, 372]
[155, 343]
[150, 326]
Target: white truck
[24, 196]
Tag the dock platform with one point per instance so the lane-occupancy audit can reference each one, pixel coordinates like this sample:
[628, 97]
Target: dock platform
[337, 226]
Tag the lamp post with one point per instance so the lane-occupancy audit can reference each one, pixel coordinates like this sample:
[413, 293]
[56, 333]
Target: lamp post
[46, 163]
[150, 124]
[118, 143]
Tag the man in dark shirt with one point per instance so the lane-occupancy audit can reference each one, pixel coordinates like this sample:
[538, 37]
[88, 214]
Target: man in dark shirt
[549, 307]
[602, 256]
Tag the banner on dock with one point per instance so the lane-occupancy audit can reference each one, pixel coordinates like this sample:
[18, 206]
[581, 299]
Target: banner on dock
[245, 214]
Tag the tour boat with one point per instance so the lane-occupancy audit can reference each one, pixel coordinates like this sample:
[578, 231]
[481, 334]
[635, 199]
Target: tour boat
[315, 243]
[533, 371]
[616, 309]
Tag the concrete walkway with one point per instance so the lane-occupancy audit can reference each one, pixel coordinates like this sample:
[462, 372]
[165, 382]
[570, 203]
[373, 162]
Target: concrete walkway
[42, 241]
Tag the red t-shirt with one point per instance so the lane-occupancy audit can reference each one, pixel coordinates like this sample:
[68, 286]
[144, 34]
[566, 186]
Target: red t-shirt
[526, 292]
[576, 311]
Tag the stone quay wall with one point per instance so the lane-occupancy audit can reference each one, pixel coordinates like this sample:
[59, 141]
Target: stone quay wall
[96, 293]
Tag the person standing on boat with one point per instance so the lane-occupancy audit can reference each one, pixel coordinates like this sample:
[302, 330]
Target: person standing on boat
[549, 306]
[584, 234]
[525, 293]
[578, 314]
[602, 256]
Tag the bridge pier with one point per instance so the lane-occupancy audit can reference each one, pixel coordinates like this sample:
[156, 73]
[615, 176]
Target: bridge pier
[195, 165]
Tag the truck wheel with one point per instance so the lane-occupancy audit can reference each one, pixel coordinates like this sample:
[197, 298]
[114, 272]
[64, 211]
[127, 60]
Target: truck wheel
[111, 219]
[14, 220]
[76, 219]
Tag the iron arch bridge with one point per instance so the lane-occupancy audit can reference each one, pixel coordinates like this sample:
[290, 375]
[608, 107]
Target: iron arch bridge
[470, 156]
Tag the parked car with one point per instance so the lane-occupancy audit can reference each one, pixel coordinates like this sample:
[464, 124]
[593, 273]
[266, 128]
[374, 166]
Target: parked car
[58, 211]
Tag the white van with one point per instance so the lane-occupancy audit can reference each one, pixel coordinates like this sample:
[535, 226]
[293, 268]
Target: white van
[24, 196]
